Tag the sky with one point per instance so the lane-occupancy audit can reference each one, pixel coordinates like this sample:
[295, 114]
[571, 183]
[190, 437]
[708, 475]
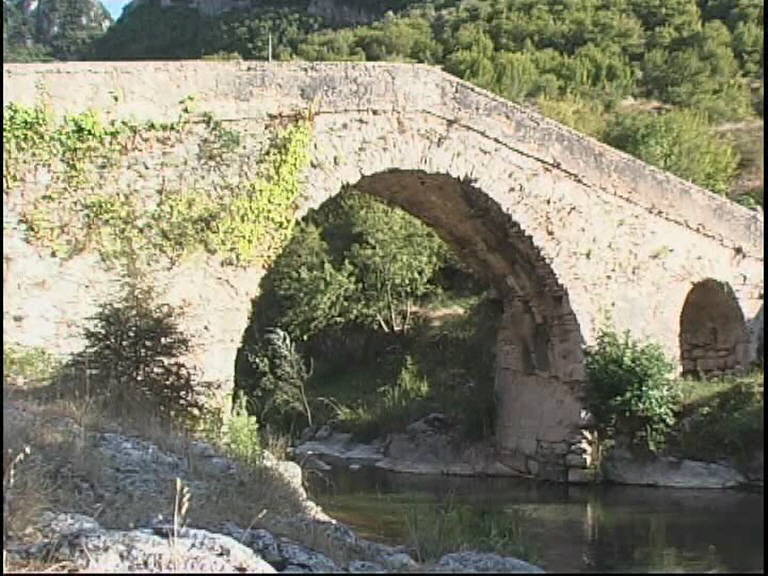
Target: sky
[114, 7]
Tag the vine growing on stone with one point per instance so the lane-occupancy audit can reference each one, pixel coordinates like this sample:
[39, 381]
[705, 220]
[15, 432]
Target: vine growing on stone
[245, 222]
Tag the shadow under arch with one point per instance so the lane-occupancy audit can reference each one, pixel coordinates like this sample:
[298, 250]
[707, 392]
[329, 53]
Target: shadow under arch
[714, 338]
[539, 356]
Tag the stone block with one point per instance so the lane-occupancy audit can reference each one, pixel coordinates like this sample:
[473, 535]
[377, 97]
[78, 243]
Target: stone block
[578, 460]
[582, 476]
[514, 461]
[552, 471]
[554, 448]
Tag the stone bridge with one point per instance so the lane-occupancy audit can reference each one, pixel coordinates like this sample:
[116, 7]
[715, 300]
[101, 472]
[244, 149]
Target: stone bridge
[573, 234]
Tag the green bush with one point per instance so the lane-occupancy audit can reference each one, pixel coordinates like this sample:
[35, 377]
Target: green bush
[29, 366]
[394, 406]
[629, 391]
[242, 439]
[586, 116]
[681, 142]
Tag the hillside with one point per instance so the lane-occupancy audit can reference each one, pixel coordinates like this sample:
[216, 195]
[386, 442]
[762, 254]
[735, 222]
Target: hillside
[609, 69]
[677, 83]
[35, 30]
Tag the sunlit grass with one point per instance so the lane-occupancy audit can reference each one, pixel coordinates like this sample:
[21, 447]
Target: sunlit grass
[721, 419]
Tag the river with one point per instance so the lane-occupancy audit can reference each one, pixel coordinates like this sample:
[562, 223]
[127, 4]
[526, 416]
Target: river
[560, 528]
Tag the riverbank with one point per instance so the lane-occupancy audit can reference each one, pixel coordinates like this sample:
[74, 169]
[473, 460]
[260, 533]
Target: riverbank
[85, 494]
[425, 449]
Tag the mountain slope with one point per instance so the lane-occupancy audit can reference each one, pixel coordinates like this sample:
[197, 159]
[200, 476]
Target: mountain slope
[51, 29]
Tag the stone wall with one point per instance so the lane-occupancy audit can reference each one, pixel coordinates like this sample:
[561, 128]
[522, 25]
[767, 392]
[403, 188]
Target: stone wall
[573, 234]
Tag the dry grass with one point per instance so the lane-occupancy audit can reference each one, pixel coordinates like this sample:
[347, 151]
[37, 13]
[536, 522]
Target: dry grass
[66, 472]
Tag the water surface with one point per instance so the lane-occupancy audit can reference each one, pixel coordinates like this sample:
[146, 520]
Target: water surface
[560, 528]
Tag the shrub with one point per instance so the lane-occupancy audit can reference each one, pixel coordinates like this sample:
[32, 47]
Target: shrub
[132, 354]
[242, 438]
[280, 376]
[724, 419]
[25, 366]
[410, 386]
[681, 142]
[629, 391]
[394, 406]
[586, 116]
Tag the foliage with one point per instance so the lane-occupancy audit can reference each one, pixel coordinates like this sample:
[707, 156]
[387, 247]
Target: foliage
[179, 32]
[25, 366]
[586, 116]
[57, 29]
[281, 374]
[700, 73]
[629, 391]
[397, 405]
[681, 142]
[246, 222]
[133, 354]
[258, 220]
[355, 262]
[242, 439]
[30, 136]
[722, 418]
[72, 151]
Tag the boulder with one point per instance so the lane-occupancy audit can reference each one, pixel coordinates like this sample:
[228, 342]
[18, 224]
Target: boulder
[260, 541]
[359, 566]
[476, 562]
[79, 543]
[673, 472]
[304, 559]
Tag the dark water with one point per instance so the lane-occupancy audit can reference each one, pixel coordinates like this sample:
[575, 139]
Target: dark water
[560, 528]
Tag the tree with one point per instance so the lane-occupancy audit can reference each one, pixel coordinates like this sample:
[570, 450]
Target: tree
[472, 59]
[748, 47]
[600, 71]
[354, 261]
[515, 74]
[681, 142]
[703, 75]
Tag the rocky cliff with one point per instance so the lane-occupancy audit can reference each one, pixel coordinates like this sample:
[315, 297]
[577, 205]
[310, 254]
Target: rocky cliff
[58, 29]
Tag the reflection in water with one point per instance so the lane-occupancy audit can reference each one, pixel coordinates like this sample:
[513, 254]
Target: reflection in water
[561, 528]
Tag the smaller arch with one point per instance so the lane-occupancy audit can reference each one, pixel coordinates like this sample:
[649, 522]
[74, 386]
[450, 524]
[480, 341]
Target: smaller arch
[714, 338]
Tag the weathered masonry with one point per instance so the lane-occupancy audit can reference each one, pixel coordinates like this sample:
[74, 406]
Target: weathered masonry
[573, 234]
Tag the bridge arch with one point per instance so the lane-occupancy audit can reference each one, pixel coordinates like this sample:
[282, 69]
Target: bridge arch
[714, 338]
[539, 360]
